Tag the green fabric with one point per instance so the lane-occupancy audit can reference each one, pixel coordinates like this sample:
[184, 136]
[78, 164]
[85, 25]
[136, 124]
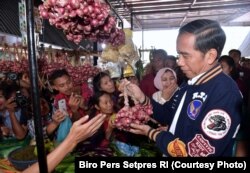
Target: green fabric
[66, 165]
[9, 144]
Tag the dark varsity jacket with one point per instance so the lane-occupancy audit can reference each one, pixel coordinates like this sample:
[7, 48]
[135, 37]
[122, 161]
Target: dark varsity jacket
[209, 118]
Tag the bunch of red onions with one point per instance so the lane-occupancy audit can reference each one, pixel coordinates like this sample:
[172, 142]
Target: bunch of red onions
[14, 66]
[117, 38]
[82, 73]
[21, 66]
[6, 65]
[81, 19]
[79, 74]
[138, 114]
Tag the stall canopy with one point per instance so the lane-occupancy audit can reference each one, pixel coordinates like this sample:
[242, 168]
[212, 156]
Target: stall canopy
[143, 15]
[166, 14]
[152, 14]
[169, 14]
[245, 47]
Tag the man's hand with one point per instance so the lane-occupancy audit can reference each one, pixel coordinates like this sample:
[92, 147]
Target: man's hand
[140, 129]
[133, 90]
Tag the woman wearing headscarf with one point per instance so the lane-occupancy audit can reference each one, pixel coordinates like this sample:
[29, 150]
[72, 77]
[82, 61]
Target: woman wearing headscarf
[166, 80]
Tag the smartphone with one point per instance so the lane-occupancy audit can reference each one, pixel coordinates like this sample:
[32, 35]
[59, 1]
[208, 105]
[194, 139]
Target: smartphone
[62, 105]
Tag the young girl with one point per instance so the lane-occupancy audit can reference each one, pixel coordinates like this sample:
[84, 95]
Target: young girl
[101, 103]
[103, 82]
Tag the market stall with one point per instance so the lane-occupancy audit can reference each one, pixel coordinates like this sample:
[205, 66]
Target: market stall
[94, 21]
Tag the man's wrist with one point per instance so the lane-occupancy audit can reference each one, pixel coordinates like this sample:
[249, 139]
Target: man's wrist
[152, 134]
[145, 100]
[149, 131]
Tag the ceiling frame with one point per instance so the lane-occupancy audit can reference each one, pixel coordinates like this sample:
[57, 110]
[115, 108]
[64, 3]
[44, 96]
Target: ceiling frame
[160, 14]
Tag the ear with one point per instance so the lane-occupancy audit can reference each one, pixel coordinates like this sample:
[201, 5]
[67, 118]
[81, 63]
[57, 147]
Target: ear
[25, 77]
[211, 56]
[231, 69]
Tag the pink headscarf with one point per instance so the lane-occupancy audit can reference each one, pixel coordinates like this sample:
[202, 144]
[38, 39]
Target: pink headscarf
[157, 79]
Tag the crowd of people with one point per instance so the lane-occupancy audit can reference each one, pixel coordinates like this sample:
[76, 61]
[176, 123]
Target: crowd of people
[200, 102]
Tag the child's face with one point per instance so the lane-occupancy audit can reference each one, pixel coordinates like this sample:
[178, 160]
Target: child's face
[107, 84]
[226, 68]
[25, 81]
[167, 79]
[64, 85]
[106, 104]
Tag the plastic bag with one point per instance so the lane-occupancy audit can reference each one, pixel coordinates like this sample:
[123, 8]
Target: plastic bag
[63, 129]
[127, 149]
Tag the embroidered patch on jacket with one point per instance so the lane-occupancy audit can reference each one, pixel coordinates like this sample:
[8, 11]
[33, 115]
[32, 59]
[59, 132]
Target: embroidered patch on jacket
[177, 148]
[216, 124]
[194, 109]
[200, 147]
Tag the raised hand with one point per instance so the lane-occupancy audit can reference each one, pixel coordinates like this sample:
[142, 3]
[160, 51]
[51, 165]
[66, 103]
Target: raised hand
[83, 129]
[11, 104]
[168, 92]
[74, 102]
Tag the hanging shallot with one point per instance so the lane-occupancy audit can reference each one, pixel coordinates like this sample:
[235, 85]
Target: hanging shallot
[83, 19]
[138, 114]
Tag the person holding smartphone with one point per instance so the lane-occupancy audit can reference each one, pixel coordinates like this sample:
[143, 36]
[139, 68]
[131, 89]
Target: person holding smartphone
[66, 100]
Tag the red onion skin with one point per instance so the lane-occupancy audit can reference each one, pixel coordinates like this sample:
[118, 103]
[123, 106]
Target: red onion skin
[75, 4]
[87, 18]
[79, 12]
[44, 14]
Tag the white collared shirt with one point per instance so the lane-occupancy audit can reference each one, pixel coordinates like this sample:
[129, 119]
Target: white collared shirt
[193, 80]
